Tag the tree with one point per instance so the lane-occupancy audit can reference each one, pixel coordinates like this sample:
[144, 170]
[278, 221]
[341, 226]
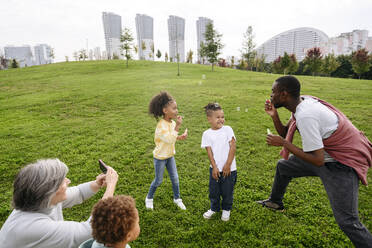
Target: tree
[3, 63]
[242, 64]
[285, 62]
[136, 49]
[293, 65]
[202, 53]
[166, 57]
[66, 58]
[51, 53]
[75, 55]
[126, 39]
[232, 61]
[313, 60]
[83, 54]
[277, 68]
[152, 48]
[345, 70]
[248, 52]
[360, 61]
[14, 64]
[213, 45]
[259, 63]
[329, 64]
[143, 47]
[158, 54]
[189, 56]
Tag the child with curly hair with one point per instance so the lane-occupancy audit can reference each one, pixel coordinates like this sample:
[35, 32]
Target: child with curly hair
[115, 223]
[219, 141]
[164, 106]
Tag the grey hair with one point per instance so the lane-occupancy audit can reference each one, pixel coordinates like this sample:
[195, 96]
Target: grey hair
[37, 183]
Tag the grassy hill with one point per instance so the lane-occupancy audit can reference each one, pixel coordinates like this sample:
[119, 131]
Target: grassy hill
[82, 111]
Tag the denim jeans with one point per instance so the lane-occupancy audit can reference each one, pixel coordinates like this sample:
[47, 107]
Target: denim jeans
[224, 188]
[159, 166]
[342, 186]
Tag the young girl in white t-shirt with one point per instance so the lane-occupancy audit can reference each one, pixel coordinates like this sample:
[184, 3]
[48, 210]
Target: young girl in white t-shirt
[220, 143]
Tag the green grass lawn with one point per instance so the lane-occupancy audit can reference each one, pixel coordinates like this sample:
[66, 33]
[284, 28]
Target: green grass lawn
[80, 112]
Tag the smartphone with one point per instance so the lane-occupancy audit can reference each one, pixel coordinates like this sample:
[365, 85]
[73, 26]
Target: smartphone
[102, 166]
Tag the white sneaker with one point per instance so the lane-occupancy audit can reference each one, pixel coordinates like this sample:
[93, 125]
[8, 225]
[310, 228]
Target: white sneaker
[208, 214]
[225, 215]
[179, 203]
[149, 203]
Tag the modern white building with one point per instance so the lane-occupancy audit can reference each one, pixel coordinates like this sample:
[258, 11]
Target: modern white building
[22, 54]
[346, 43]
[42, 54]
[201, 27]
[369, 44]
[296, 41]
[145, 37]
[112, 30]
[176, 33]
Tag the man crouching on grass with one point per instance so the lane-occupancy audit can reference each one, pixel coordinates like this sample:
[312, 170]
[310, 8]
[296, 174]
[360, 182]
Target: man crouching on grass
[332, 149]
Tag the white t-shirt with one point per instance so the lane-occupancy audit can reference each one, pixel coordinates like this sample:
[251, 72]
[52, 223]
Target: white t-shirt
[219, 140]
[315, 122]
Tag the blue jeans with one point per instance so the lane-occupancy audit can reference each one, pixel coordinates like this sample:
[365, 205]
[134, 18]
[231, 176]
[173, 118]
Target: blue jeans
[224, 188]
[159, 165]
[342, 186]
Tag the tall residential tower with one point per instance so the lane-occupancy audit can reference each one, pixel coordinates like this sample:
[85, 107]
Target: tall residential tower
[145, 37]
[112, 29]
[201, 27]
[176, 33]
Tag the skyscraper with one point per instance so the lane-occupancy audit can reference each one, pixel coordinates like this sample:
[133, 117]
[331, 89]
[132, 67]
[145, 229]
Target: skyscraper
[176, 33]
[201, 27]
[112, 30]
[145, 37]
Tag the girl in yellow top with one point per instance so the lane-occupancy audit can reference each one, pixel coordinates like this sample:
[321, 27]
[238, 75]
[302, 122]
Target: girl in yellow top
[166, 134]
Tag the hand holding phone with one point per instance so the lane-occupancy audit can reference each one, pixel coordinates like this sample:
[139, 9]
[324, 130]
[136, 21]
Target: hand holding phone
[102, 166]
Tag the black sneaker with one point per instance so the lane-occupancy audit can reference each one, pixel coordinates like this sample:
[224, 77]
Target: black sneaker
[272, 205]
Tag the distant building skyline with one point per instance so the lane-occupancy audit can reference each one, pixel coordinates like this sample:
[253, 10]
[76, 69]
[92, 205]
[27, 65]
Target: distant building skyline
[295, 41]
[176, 35]
[346, 43]
[112, 31]
[145, 36]
[201, 27]
[28, 56]
[299, 40]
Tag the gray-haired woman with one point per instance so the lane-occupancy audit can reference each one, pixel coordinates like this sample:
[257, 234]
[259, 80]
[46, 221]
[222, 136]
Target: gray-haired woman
[40, 193]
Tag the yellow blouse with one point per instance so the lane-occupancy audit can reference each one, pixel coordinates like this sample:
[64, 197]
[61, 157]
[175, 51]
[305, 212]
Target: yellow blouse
[165, 139]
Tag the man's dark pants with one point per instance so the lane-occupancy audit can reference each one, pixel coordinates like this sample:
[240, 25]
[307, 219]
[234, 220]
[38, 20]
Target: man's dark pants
[224, 188]
[342, 186]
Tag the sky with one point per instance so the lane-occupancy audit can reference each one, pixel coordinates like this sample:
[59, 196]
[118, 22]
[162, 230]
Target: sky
[72, 25]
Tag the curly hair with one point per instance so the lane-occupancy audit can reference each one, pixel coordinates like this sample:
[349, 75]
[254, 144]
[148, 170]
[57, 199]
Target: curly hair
[113, 218]
[290, 84]
[159, 102]
[211, 107]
